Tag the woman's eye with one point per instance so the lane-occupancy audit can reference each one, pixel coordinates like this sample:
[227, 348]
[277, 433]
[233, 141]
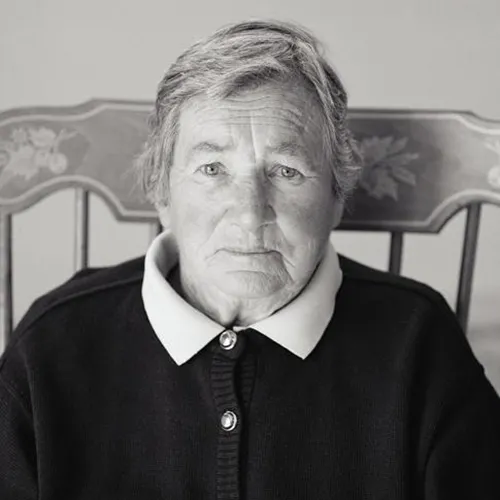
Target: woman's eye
[287, 172]
[210, 169]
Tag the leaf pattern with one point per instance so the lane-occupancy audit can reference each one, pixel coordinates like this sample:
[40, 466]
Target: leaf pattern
[30, 151]
[385, 166]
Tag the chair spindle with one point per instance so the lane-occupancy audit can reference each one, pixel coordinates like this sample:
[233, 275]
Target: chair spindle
[5, 279]
[81, 244]
[467, 263]
[396, 252]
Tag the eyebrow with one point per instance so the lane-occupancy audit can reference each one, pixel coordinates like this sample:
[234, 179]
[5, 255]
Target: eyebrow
[207, 147]
[288, 148]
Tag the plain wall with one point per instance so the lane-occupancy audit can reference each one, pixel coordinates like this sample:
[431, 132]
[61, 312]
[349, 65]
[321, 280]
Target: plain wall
[440, 54]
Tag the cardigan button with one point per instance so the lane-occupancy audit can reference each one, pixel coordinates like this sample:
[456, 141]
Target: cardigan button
[229, 420]
[228, 339]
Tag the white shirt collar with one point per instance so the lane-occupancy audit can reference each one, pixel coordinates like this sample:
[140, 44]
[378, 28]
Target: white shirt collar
[184, 331]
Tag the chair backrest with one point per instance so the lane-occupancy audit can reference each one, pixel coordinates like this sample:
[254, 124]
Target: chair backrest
[421, 168]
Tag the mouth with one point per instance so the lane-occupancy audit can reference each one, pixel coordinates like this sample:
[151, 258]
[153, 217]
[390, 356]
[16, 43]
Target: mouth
[247, 251]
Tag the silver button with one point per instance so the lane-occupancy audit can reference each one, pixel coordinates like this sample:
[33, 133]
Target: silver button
[229, 420]
[227, 340]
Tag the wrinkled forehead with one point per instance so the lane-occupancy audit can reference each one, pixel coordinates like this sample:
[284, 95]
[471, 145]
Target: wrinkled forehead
[272, 113]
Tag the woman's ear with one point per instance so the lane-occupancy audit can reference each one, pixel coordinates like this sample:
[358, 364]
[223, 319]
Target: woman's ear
[163, 215]
[338, 211]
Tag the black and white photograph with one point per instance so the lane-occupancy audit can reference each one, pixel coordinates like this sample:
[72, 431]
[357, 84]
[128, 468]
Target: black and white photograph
[250, 250]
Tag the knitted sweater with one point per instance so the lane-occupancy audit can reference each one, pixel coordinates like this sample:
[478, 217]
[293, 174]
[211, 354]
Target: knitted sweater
[391, 404]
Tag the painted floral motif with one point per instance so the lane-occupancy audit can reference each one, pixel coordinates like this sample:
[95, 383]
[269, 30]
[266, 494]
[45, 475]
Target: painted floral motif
[31, 150]
[494, 172]
[385, 166]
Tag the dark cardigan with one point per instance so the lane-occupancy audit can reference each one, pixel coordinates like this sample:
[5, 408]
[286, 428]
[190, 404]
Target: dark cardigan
[391, 404]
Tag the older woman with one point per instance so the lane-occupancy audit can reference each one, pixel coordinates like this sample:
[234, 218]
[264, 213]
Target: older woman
[242, 358]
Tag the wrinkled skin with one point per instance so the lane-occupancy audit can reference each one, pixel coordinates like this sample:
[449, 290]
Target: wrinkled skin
[251, 204]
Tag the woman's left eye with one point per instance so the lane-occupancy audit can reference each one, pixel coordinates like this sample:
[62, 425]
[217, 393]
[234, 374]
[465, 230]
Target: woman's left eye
[210, 169]
[287, 172]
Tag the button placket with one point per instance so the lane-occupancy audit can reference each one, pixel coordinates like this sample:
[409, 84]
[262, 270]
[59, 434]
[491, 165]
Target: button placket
[226, 357]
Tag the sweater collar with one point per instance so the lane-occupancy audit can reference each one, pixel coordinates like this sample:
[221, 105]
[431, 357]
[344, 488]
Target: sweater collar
[184, 331]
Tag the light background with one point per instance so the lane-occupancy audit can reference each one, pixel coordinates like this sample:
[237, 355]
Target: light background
[442, 54]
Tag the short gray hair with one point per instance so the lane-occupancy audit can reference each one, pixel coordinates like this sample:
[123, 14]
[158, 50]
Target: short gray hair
[236, 58]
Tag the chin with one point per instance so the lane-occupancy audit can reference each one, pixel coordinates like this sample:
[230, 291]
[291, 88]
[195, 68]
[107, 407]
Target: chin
[250, 284]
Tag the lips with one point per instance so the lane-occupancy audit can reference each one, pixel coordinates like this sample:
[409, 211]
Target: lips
[247, 251]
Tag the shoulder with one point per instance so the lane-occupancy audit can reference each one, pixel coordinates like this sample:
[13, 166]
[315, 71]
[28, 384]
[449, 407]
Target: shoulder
[385, 284]
[88, 296]
[382, 291]
[410, 327]
[400, 317]
[406, 321]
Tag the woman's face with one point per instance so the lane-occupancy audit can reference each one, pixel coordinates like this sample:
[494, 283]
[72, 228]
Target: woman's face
[251, 204]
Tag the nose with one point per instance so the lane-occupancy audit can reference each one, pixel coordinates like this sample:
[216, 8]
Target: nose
[251, 204]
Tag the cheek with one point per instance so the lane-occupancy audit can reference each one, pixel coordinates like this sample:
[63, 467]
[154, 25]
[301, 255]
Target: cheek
[193, 219]
[309, 216]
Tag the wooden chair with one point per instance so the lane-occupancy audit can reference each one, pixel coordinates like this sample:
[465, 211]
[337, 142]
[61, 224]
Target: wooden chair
[421, 168]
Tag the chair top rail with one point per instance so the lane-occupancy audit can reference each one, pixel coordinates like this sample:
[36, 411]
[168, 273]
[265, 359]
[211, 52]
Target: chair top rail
[420, 166]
